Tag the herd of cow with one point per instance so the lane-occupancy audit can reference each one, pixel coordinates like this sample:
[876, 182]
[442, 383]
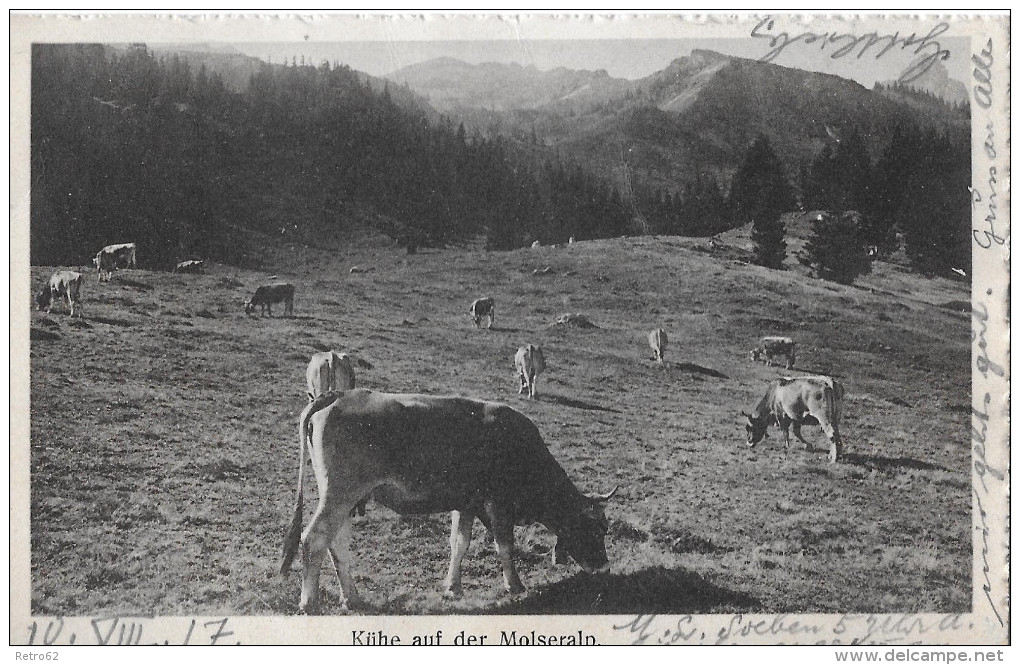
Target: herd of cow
[419, 453]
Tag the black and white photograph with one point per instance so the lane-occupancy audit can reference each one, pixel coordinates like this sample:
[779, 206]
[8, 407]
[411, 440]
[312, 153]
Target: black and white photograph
[510, 330]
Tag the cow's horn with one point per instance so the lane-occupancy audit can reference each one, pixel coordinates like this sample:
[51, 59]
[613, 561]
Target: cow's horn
[606, 497]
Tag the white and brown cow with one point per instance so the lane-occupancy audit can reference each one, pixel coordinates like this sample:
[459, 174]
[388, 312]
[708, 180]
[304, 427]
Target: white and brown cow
[658, 340]
[62, 284]
[770, 347]
[481, 309]
[113, 257]
[806, 400]
[422, 454]
[329, 371]
[268, 295]
[529, 362]
[190, 266]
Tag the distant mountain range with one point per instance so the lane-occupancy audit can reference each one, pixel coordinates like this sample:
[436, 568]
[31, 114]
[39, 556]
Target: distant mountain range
[696, 116]
[936, 80]
[451, 85]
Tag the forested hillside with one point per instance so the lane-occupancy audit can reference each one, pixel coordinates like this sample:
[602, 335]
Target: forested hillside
[128, 146]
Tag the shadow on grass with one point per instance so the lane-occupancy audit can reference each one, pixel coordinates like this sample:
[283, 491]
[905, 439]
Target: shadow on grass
[141, 286]
[886, 463]
[110, 321]
[40, 335]
[505, 330]
[575, 403]
[799, 371]
[698, 369]
[656, 590]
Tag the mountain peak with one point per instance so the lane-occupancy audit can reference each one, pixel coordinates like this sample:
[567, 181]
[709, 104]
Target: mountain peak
[935, 80]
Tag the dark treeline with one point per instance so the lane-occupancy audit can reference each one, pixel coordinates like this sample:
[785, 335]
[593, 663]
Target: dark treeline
[915, 192]
[961, 107]
[917, 189]
[130, 147]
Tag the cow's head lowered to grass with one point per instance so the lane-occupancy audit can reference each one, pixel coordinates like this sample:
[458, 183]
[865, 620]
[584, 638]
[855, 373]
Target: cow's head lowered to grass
[757, 428]
[583, 539]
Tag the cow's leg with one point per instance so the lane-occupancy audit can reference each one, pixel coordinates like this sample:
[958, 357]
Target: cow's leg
[503, 533]
[796, 432]
[784, 424]
[314, 542]
[835, 442]
[533, 386]
[524, 383]
[460, 539]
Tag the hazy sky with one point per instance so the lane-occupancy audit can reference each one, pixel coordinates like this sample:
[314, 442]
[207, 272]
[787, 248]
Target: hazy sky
[624, 58]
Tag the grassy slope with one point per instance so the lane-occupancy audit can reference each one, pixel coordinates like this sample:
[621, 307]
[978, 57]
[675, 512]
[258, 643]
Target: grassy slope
[164, 453]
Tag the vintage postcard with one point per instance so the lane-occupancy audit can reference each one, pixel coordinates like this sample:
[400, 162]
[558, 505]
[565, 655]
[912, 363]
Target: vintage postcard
[510, 329]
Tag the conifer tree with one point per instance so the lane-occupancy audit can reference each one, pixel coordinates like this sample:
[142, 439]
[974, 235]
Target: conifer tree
[837, 250]
[760, 194]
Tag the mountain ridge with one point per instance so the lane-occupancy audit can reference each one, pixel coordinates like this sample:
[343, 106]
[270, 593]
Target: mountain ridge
[694, 117]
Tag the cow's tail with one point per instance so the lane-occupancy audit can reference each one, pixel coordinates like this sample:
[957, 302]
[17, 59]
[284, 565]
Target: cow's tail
[330, 367]
[293, 538]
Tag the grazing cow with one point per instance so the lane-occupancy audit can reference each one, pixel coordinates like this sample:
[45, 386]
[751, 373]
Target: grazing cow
[806, 400]
[420, 454]
[268, 295]
[481, 309]
[536, 244]
[571, 241]
[329, 371]
[190, 266]
[63, 283]
[770, 347]
[112, 257]
[529, 362]
[658, 340]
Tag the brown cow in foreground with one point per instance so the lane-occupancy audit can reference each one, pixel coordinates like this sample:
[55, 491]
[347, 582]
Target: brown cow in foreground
[420, 454]
[806, 400]
[62, 284]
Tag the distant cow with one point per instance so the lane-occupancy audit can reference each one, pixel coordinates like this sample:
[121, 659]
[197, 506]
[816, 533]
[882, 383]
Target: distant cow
[62, 284]
[530, 362]
[769, 347]
[481, 309]
[571, 241]
[329, 371]
[421, 454]
[268, 295]
[658, 340]
[190, 266]
[112, 257]
[807, 400]
[536, 244]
